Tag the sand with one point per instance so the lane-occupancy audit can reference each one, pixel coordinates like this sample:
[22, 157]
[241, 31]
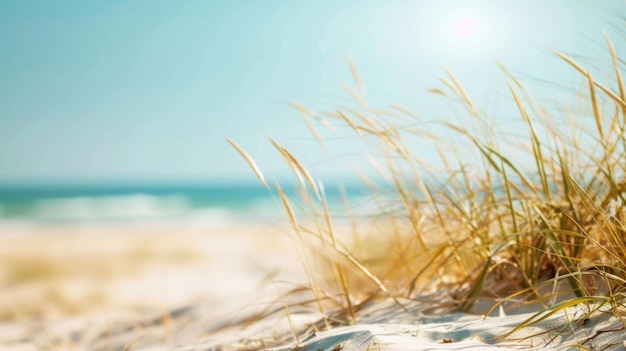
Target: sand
[166, 286]
[65, 285]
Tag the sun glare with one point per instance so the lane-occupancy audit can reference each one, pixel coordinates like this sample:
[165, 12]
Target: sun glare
[464, 27]
[464, 30]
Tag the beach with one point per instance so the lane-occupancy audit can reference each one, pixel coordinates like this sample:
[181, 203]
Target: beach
[66, 285]
[312, 176]
[154, 287]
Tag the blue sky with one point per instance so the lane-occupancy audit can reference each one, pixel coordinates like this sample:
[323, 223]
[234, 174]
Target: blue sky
[98, 91]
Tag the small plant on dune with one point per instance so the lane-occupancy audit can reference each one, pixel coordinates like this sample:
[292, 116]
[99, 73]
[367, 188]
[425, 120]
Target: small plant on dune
[504, 230]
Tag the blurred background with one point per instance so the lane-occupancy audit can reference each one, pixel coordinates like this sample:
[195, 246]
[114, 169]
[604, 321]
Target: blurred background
[104, 92]
[114, 114]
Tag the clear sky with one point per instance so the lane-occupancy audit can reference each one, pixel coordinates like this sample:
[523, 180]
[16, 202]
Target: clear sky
[105, 90]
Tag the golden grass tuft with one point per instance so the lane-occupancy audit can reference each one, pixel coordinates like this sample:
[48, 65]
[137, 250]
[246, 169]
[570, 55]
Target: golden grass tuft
[537, 219]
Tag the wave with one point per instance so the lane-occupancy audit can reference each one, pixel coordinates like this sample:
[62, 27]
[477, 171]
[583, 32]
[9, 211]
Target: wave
[118, 207]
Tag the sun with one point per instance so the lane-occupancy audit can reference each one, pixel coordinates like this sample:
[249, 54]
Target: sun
[464, 31]
[464, 27]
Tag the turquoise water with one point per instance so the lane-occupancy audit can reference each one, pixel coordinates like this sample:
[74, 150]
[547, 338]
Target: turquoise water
[131, 202]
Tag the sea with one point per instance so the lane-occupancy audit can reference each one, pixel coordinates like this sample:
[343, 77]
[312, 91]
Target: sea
[211, 203]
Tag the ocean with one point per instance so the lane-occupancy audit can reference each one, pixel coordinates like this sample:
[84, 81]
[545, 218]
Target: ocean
[132, 202]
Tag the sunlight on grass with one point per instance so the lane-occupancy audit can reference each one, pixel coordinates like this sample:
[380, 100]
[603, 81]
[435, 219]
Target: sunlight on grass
[526, 218]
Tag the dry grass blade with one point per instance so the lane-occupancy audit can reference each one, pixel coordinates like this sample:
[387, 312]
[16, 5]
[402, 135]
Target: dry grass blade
[606, 90]
[464, 95]
[450, 86]
[346, 292]
[356, 76]
[536, 143]
[488, 152]
[438, 91]
[296, 228]
[356, 95]
[292, 217]
[306, 115]
[316, 134]
[594, 103]
[403, 109]
[509, 75]
[303, 110]
[557, 246]
[296, 166]
[618, 76]
[250, 161]
[561, 307]
[477, 287]
[294, 333]
[509, 196]
[132, 343]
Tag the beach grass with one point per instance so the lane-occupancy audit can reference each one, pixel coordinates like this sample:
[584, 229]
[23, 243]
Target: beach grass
[532, 219]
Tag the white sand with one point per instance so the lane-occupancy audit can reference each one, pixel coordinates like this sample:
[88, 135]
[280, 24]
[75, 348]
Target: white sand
[229, 267]
[203, 304]
[455, 331]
